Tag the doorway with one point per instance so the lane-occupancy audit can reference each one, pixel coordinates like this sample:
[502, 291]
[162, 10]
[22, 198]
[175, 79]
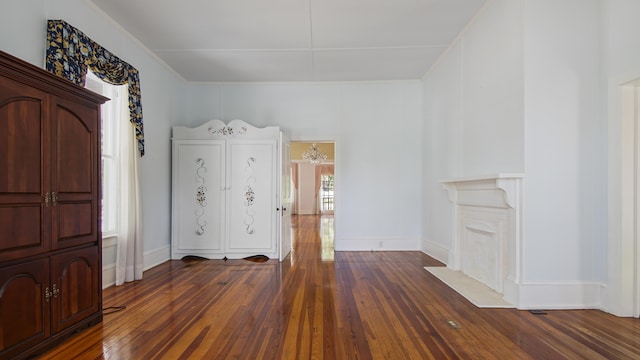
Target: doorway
[313, 177]
[314, 184]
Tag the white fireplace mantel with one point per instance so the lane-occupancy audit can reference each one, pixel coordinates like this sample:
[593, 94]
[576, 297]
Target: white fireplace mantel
[487, 230]
[478, 190]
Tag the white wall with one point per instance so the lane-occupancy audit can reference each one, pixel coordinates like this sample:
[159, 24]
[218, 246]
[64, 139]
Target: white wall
[473, 113]
[621, 36]
[442, 148]
[492, 88]
[519, 92]
[23, 34]
[564, 193]
[377, 130]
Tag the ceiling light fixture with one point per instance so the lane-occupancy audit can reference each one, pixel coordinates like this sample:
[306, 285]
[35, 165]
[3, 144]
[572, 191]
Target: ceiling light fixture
[314, 155]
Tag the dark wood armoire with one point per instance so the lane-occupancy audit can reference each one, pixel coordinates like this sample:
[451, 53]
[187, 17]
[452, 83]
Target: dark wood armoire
[50, 239]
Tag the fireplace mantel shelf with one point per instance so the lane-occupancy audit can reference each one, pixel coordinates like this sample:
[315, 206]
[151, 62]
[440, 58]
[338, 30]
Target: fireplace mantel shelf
[484, 177]
[507, 182]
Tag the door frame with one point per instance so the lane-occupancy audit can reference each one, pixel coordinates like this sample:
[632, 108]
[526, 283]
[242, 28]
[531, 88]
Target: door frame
[284, 202]
[624, 212]
[336, 177]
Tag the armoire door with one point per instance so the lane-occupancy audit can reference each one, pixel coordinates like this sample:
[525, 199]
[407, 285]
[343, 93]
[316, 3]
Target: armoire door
[75, 286]
[24, 306]
[252, 197]
[284, 222]
[74, 178]
[198, 198]
[24, 179]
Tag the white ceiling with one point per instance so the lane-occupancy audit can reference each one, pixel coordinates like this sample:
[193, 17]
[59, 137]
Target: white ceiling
[294, 40]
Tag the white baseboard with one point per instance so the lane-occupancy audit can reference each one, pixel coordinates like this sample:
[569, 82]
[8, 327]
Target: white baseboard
[108, 275]
[151, 259]
[559, 296]
[510, 291]
[156, 257]
[109, 246]
[377, 244]
[436, 251]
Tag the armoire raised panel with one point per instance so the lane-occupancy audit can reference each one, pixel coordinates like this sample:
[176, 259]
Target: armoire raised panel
[225, 191]
[50, 239]
[199, 192]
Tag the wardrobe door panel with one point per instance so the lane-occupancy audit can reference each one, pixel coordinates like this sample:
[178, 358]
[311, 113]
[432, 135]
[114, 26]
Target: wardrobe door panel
[76, 284]
[24, 306]
[198, 198]
[24, 176]
[75, 176]
[252, 197]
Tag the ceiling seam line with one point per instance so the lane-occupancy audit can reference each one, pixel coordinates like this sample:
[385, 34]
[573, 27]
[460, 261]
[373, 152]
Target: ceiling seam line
[313, 62]
[304, 49]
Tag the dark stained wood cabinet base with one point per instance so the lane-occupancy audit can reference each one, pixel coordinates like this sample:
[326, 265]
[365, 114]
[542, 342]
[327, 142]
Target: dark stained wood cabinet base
[53, 341]
[50, 240]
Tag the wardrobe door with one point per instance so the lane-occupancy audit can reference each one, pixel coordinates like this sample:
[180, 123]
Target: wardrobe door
[24, 171]
[284, 197]
[24, 306]
[252, 197]
[75, 286]
[75, 177]
[198, 198]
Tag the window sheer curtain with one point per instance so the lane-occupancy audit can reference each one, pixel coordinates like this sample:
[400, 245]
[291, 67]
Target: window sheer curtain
[70, 53]
[129, 260]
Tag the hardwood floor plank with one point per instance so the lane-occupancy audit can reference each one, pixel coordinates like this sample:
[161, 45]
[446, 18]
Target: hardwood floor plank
[359, 305]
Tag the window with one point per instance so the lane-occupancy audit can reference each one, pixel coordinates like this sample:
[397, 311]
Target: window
[113, 113]
[326, 192]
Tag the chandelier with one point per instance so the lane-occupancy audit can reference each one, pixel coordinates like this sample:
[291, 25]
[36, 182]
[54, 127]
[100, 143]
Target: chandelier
[314, 155]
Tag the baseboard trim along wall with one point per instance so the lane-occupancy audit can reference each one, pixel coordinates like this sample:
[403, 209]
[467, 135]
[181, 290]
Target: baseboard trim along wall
[156, 257]
[377, 244]
[151, 259]
[559, 296]
[436, 251]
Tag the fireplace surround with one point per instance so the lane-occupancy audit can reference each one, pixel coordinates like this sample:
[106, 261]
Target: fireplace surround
[487, 230]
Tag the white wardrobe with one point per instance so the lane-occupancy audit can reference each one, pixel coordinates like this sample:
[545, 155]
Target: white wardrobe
[228, 198]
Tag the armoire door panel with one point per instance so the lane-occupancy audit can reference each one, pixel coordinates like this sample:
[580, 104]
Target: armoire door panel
[24, 175]
[199, 191]
[21, 145]
[252, 198]
[24, 310]
[284, 219]
[76, 277]
[73, 224]
[75, 200]
[75, 162]
[21, 231]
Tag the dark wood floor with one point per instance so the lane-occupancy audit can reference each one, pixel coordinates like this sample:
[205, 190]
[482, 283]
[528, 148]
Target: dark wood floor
[358, 305]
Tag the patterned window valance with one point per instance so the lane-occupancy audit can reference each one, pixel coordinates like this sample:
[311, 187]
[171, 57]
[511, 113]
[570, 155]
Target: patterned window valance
[70, 53]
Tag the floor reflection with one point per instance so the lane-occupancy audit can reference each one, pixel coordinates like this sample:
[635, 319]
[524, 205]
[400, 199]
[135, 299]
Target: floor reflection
[327, 238]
